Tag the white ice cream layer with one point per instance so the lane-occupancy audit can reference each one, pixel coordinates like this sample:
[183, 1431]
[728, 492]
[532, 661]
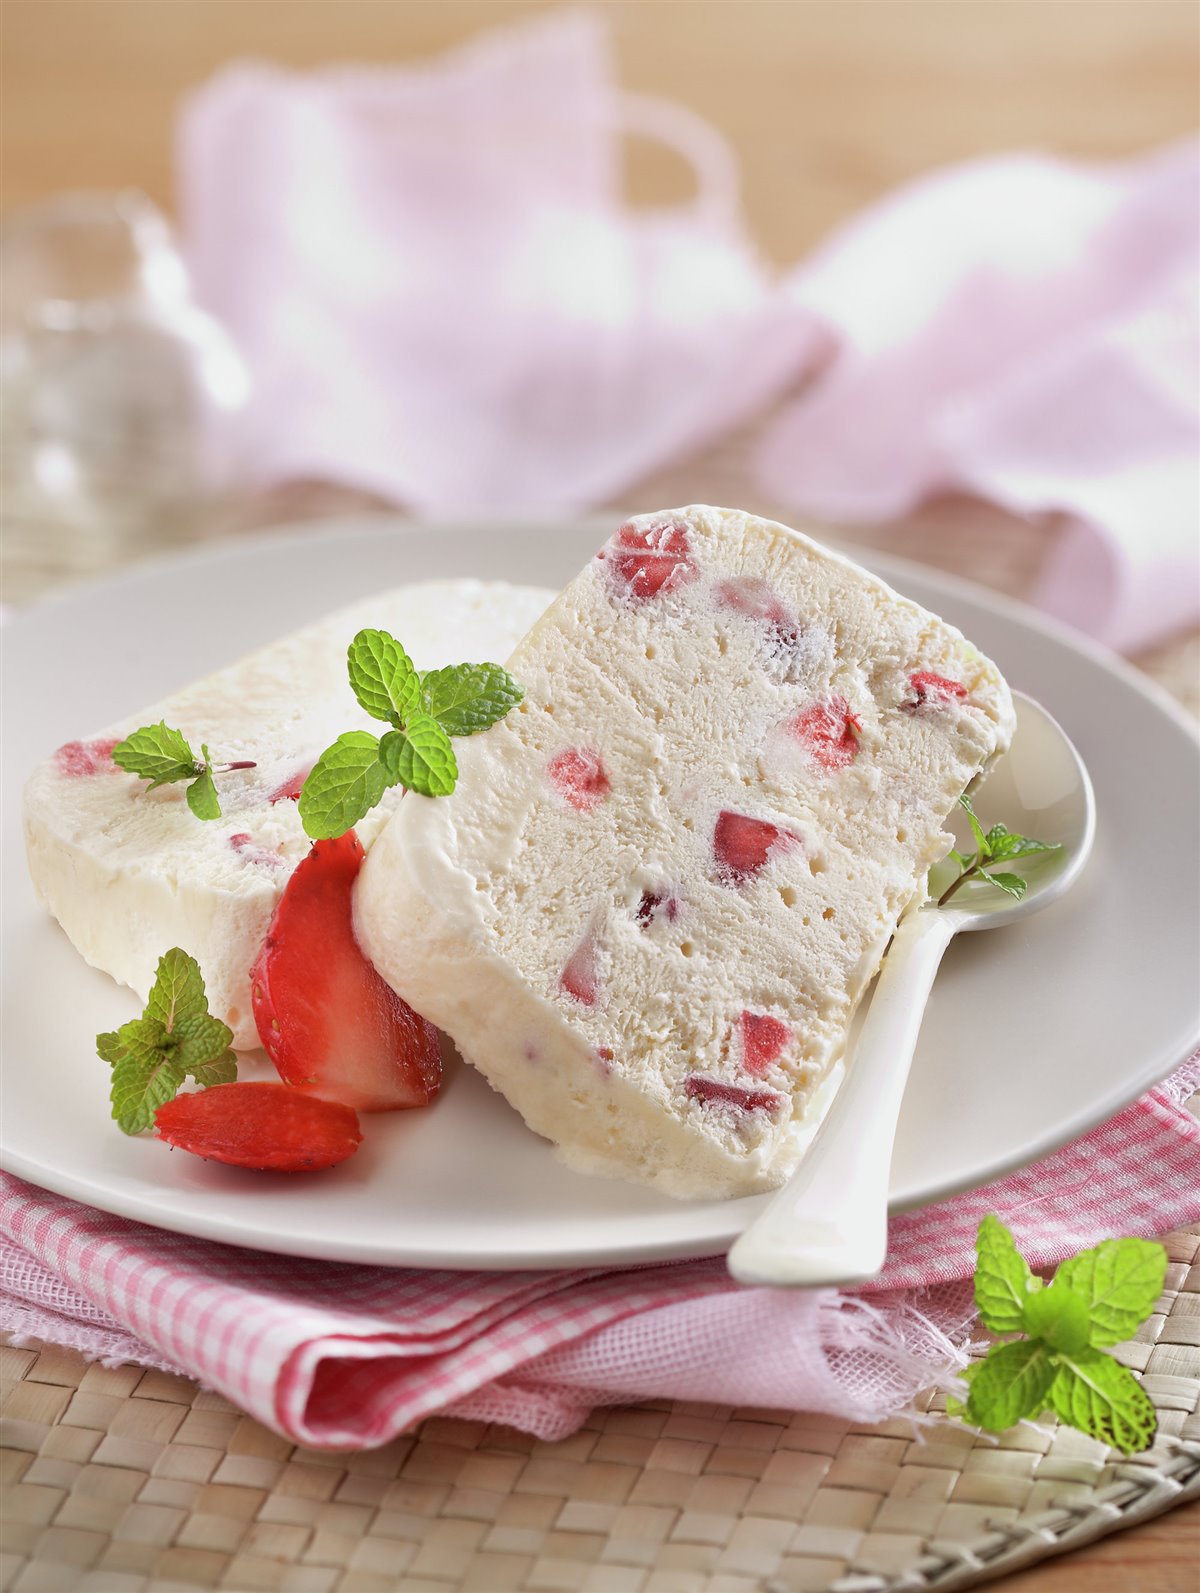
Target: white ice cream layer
[651, 906]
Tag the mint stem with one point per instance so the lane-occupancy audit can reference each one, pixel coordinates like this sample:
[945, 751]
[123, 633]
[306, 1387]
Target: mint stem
[962, 879]
[228, 768]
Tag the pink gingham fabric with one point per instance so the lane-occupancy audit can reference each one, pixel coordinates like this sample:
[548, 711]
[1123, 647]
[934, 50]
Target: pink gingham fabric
[348, 1356]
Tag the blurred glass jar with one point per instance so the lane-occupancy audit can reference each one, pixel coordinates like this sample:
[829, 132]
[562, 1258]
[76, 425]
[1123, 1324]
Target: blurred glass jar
[119, 396]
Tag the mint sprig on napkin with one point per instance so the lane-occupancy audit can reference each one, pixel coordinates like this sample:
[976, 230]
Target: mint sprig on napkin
[423, 711]
[175, 1037]
[1095, 1300]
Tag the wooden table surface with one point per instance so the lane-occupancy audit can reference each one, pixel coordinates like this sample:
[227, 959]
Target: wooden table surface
[826, 106]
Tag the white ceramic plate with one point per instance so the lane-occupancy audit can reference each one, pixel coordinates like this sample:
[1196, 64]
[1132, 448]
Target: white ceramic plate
[1034, 1033]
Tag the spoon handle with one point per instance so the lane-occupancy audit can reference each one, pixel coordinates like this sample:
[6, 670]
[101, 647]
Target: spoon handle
[828, 1224]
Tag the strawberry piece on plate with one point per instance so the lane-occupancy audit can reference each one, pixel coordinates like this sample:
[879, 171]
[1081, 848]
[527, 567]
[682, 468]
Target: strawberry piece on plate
[266, 1126]
[328, 1021]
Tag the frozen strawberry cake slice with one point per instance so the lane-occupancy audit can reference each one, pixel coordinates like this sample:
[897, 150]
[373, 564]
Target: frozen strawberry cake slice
[650, 908]
[129, 872]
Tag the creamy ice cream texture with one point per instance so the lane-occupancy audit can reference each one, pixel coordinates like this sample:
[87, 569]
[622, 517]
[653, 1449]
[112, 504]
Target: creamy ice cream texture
[652, 904]
[129, 874]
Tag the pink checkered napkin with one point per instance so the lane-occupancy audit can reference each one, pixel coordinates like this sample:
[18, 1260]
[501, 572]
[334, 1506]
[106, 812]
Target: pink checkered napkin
[349, 1356]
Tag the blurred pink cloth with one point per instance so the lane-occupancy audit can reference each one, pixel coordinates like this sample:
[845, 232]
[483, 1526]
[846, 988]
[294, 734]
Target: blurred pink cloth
[1026, 329]
[439, 287]
[445, 299]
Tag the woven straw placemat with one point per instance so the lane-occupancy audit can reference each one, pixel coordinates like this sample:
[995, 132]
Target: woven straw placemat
[122, 1480]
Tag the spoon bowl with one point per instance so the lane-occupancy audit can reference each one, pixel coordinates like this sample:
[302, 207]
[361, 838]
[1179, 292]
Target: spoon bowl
[1040, 787]
[828, 1224]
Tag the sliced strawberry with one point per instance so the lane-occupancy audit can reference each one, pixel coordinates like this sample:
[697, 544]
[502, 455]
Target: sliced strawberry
[87, 757]
[645, 560]
[289, 790]
[712, 1092]
[933, 689]
[742, 845]
[268, 1126]
[828, 732]
[329, 1023]
[579, 777]
[579, 978]
[764, 1039]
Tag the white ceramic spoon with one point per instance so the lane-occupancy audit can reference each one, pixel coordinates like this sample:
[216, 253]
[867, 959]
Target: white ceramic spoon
[828, 1224]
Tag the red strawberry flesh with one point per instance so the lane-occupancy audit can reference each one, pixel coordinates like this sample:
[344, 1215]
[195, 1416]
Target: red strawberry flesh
[742, 845]
[328, 1021]
[245, 846]
[755, 598]
[579, 777]
[657, 904]
[87, 757]
[827, 731]
[712, 1092]
[578, 979]
[764, 1039]
[929, 687]
[647, 560]
[289, 790]
[266, 1126]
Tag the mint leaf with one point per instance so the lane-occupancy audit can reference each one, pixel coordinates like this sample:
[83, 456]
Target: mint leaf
[1003, 1281]
[465, 698]
[158, 754]
[162, 755]
[424, 712]
[421, 758]
[222, 1071]
[383, 677]
[1119, 1283]
[144, 1074]
[1058, 1317]
[202, 793]
[1008, 846]
[1010, 884]
[1013, 1381]
[177, 998]
[981, 840]
[345, 783]
[958, 1407]
[178, 1002]
[151, 1056]
[1100, 1396]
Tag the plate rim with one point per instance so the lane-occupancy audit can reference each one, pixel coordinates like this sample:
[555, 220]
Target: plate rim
[897, 571]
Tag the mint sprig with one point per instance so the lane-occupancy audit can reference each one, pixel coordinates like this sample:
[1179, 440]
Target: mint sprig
[175, 1037]
[1097, 1299]
[423, 712]
[161, 754]
[997, 845]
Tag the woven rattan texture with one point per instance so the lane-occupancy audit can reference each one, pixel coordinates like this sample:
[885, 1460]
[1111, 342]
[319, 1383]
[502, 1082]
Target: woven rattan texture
[122, 1480]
